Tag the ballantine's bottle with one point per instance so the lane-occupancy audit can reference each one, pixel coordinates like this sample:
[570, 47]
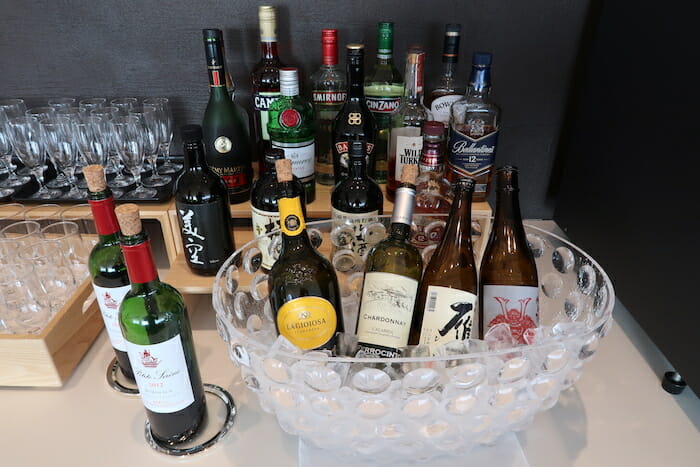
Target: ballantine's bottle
[446, 304]
[383, 88]
[392, 272]
[266, 80]
[474, 124]
[106, 263]
[354, 119]
[156, 327]
[440, 100]
[508, 287]
[329, 93]
[225, 133]
[291, 128]
[303, 285]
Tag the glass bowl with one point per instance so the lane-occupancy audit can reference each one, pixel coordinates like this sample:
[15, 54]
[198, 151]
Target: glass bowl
[416, 407]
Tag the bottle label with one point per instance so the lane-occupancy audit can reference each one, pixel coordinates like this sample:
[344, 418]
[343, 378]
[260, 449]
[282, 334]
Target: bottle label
[515, 305]
[291, 216]
[357, 222]
[440, 108]
[265, 222]
[206, 236]
[261, 104]
[449, 315]
[234, 177]
[308, 322]
[301, 154]
[408, 149]
[469, 157]
[161, 375]
[386, 309]
[329, 97]
[109, 299]
[341, 148]
[383, 105]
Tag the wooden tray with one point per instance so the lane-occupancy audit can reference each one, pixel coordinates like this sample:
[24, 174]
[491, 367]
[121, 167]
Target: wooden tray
[49, 358]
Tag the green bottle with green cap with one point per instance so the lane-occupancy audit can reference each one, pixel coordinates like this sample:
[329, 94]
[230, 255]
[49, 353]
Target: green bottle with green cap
[383, 91]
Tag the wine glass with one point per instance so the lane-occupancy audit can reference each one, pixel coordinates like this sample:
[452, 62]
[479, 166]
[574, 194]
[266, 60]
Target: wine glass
[87, 105]
[14, 108]
[128, 137]
[85, 134]
[58, 139]
[147, 116]
[62, 103]
[13, 180]
[124, 104]
[120, 181]
[26, 137]
[164, 125]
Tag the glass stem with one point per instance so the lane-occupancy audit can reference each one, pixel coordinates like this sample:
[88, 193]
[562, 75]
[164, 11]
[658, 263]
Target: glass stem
[38, 173]
[153, 160]
[136, 173]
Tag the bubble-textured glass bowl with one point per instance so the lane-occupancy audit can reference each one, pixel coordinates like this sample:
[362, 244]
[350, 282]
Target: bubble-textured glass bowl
[416, 407]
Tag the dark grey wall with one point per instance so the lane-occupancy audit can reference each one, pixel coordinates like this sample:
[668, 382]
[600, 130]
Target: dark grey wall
[82, 48]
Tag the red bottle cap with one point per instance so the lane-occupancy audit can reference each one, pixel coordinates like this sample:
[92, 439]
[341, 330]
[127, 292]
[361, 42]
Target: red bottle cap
[329, 46]
[433, 128]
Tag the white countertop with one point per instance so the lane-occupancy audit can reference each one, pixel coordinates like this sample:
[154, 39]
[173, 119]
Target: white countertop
[616, 414]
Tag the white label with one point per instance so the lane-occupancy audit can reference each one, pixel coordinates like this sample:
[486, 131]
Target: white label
[109, 300]
[440, 108]
[161, 375]
[265, 222]
[357, 222]
[407, 146]
[449, 315]
[386, 309]
[514, 305]
[302, 156]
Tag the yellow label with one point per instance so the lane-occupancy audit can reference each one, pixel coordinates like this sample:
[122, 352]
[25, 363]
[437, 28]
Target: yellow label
[308, 322]
[291, 217]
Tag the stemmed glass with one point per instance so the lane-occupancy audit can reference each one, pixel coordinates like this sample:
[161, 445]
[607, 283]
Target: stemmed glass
[12, 108]
[107, 114]
[164, 125]
[87, 105]
[124, 104]
[58, 139]
[147, 117]
[26, 137]
[13, 180]
[61, 103]
[128, 137]
[91, 149]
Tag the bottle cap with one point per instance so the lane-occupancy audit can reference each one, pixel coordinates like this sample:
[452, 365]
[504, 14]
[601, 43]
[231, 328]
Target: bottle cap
[355, 47]
[466, 184]
[268, 21]
[385, 39]
[273, 154]
[329, 46]
[482, 59]
[453, 29]
[433, 128]
[212, 34]
[129, 219]
[95, 177]
[673, 383]
[284, 170]
[289, 81]
[450, 51]
[191, 133]
[409, 173]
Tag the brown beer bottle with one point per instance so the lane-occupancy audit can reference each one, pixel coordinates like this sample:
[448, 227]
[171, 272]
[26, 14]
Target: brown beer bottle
[508, 276]
[446, 304]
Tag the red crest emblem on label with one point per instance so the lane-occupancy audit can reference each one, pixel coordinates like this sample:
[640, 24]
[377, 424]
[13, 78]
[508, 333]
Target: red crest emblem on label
[518, 320]
[290, 118]
[110, 302]
[148, 360]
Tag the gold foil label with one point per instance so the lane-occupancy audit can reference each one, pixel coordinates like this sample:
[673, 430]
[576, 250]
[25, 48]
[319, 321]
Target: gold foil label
[291, 217]
[308, 322]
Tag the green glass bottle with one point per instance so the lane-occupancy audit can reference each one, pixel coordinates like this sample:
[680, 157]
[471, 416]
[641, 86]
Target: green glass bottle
[225, 132]
[383, 91]
[110, 280]
[291, 128]
[158, 335]
[303, 285]
[392, 272]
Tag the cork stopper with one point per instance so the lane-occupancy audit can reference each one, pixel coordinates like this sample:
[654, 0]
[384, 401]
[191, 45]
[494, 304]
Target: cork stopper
[95, 177]
[129, 219]
[409, 173]
[284, 170]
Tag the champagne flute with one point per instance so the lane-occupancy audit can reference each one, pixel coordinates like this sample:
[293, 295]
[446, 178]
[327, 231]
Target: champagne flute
[147, 116]
[58, 139]
[128, 137]
[13, 180]
[26, 135]
[120, 181]
[14, 108]
[164, 122]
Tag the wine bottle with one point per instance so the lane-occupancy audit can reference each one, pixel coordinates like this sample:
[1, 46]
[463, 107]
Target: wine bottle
[291, 128]
[225, 133]
[156, 327]
[441, 98]
[329, 93]
[264, 211]
[383, 88]
[202, 207]
[405, 140]
[265, 78]
[110, 280]
[354, 119]
[303, 285]
[446, 303]
[392, 271]
[508, 287]
[357, 200]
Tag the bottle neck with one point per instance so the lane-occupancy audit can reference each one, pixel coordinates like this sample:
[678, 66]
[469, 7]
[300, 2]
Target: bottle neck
[268, 49]
[329, 53]
[402, 215]
[458, 227]
[507, 210]
[414, 78]
[449, 71]
[102, 207]
[139, 260]
[194, 155]
[479, 81]
[432, 157]
[358, 167]
[217, 68]
[356, 78]
[292, 223]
